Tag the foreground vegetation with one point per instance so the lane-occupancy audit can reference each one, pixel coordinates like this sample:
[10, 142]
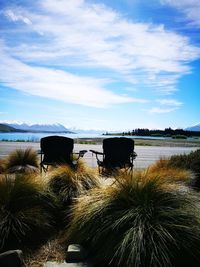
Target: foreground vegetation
[148, 219]
[141, 221]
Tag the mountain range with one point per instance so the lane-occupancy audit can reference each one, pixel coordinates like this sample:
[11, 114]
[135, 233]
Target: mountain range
[50, 128]
[4, 128]
[195, 128]
[58, 128]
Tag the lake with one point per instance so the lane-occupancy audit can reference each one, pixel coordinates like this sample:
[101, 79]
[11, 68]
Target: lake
[35, 137]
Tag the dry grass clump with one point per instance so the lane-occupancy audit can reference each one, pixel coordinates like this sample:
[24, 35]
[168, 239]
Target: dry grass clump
[26, 212]
[172, 174]
[22, 161]
[142, 221]
[51, 251]
[2, 165]
[68, 184]
[189, 162]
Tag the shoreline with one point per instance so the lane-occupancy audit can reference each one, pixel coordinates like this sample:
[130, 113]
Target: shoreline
[138, 142]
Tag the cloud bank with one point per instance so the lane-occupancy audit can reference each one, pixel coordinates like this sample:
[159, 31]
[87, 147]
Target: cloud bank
[62, 48]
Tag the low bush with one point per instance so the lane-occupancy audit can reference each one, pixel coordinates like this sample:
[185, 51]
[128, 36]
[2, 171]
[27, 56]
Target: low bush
[142, 221]
[22, 161]
[179, 136]
[26, 212]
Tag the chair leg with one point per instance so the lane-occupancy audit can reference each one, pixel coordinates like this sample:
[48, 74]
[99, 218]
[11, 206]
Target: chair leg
[43, 168]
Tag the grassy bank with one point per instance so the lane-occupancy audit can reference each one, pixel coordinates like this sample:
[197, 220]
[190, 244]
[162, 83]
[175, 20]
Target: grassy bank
[145, 142]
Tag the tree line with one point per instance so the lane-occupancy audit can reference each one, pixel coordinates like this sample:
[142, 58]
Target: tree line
[167, 132]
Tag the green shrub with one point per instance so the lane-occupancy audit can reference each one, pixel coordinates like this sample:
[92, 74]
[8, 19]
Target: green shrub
[142, 221]
[179, 136]
[26, 212]
[22, 160]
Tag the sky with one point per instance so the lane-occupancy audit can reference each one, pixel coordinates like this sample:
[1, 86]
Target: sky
[100, 64]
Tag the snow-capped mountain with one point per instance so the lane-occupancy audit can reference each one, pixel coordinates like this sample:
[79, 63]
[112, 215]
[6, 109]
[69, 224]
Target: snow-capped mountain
[56, 128]
[84, 131]
[195, 128]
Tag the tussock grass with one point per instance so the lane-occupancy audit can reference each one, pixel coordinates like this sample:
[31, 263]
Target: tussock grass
[68, 184]
[181, 164]
[22, 161]
[2, 166]
[162, 168]
[50, 251]
[26, 212]
[141, 221]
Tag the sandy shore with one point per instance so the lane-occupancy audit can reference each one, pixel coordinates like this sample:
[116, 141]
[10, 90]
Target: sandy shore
[147, 154]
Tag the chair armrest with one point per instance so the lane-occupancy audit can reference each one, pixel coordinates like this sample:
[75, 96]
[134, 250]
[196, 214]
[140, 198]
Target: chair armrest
[96, 152]
[82, 152]
[133, 155]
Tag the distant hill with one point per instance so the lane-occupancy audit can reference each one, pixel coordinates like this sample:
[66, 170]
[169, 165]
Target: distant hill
[8, 129]
[195, 128]
[48, 128]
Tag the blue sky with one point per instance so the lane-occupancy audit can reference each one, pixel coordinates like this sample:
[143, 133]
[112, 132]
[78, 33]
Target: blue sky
[109, 64]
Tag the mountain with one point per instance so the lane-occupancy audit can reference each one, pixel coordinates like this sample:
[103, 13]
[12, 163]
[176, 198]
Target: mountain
[50, 128]
[89, 131]
[195, 128]
[8, 129]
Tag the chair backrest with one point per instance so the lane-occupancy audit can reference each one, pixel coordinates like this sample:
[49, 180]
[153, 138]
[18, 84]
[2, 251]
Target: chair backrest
[117, 151]
[57, 149]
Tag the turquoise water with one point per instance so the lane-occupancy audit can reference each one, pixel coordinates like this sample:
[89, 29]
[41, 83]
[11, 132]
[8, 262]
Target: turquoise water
[34, 137]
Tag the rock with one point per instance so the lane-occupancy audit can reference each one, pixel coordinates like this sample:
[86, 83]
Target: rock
[75, 253]
[64, 264]
[11, 258]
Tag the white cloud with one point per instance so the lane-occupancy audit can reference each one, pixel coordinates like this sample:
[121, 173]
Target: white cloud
[162, 110]
[12, 16]
[58, 84]
[170, 102]
[82, 35]
[191, 8]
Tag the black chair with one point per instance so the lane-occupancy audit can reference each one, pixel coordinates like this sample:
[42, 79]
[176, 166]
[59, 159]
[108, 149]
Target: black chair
[118, 153]
[58, 150]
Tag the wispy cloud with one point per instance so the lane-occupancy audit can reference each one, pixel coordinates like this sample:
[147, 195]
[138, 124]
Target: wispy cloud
[170, 102]
[58, 84]
[79, 34]
[162, 110]
[12, 16]
[191, 8]
[166, 105]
